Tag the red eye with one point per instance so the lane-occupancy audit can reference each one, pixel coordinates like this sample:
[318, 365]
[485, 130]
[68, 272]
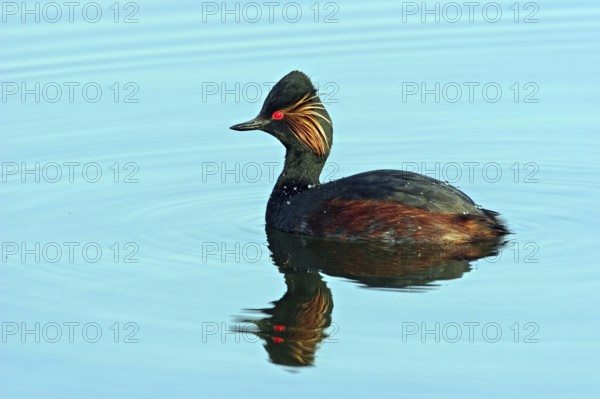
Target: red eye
[277, 115]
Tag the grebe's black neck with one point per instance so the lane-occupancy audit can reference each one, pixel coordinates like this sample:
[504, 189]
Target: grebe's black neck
[301, 170]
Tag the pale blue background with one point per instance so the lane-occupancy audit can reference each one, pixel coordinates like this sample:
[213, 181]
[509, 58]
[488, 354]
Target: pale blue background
[176, 128]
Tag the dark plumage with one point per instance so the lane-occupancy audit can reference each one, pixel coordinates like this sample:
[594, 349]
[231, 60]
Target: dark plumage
[383, 205]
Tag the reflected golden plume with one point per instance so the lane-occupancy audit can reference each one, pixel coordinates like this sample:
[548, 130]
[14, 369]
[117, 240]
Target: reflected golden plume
[303, 119]
[307, 329]
[296, 325]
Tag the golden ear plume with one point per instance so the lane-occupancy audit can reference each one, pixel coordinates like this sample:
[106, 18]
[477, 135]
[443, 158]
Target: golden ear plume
[304, 121]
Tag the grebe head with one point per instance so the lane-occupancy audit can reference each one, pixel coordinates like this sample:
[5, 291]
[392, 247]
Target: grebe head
[294, 114]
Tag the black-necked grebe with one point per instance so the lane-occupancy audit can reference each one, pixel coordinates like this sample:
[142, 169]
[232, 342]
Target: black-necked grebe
[383, 205]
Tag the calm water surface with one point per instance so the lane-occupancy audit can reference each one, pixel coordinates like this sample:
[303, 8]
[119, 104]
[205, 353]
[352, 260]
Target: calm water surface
[133, 240]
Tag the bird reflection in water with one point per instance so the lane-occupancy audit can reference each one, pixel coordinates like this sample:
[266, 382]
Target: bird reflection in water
[294, 327]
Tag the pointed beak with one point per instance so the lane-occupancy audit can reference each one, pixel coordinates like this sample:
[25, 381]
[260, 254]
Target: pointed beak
[254, 124]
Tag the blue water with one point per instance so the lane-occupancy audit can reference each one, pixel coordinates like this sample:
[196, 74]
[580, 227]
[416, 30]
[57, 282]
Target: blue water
[132, 218]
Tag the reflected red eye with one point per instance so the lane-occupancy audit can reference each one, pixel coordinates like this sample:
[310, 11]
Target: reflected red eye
[277, 115]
